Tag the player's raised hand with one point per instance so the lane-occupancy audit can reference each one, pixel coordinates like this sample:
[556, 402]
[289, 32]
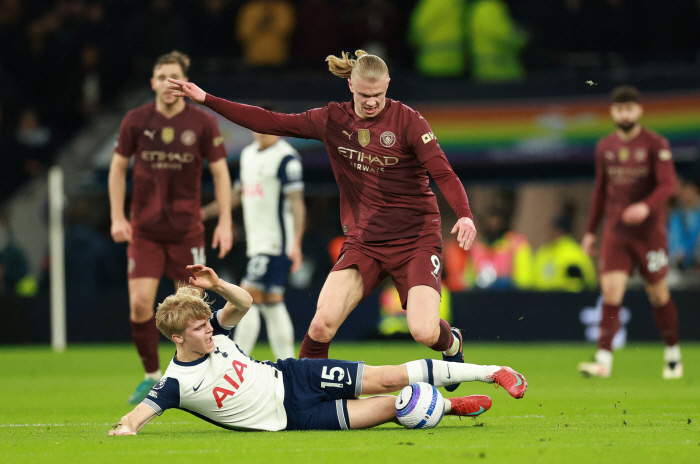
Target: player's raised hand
[635, 213]
[121, 230]
[466, 232]
[587, 244]
[204, 277]
[186, 89]
[223, 239]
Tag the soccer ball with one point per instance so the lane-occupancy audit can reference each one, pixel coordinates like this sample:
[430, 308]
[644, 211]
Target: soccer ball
[419, 406]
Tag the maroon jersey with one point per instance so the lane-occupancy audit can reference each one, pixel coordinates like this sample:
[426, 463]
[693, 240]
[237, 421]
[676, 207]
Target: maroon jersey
[629, 172]
[381, 164]
[168, 159]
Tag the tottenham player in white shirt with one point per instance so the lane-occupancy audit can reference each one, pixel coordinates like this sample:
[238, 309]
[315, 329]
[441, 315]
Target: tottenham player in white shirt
[212, 379]
[271, 191]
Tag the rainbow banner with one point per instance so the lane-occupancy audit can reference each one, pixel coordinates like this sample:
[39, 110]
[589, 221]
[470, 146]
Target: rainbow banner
[524, 131]
[553, 129]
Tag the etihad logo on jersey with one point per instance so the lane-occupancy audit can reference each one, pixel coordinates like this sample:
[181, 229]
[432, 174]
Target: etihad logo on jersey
[625, 175]
[161, 159]
[366, 161]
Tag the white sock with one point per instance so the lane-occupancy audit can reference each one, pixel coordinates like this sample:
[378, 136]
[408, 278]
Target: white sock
[280, 331]
[448, 405]
[247, 330]
[441, 373]
[153, 375]
[672, 354]
[604, 358]
[452, 350]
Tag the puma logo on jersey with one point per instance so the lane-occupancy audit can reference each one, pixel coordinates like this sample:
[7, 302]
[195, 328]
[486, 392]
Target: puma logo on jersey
[149, 134]
[349, 135]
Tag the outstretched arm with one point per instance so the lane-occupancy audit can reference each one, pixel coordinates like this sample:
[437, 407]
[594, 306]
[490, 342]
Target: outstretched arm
[238, 301]
[309, 125]
[131, 423]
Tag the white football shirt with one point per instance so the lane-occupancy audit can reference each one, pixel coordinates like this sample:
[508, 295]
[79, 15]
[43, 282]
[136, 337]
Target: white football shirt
[266, 176]
[226, 388]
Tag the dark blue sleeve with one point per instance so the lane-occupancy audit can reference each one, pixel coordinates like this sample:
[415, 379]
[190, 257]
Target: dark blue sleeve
[289, 173]
[218, 329]
[164, 395]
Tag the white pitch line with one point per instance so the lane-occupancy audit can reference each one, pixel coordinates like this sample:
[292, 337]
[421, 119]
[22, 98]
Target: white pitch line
[94, 424]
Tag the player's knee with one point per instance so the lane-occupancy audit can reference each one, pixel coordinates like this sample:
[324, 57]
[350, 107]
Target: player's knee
[322, 329]
[391, 381]
[658, 300]
[426, 336]
[141, 306]
[658, 294]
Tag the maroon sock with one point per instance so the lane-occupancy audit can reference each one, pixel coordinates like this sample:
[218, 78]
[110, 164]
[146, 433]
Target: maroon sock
[146, 337]
[666, 318]
[445, 339]
[312, 349]
[609, 325]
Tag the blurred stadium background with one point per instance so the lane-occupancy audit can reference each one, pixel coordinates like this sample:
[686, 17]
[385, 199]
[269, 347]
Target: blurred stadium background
[516, 91]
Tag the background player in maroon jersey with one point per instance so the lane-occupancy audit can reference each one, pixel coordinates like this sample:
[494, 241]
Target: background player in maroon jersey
[635, 177]
[381, 152]
[169, 141]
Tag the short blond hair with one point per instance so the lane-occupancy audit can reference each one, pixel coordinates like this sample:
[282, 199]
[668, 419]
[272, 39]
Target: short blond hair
[177, 310]
[366, 66]
[173, 57]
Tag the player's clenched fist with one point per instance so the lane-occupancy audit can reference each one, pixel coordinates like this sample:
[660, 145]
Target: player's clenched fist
[121, 231]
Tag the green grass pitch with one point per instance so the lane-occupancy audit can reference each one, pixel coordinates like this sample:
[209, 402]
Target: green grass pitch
[59, 408]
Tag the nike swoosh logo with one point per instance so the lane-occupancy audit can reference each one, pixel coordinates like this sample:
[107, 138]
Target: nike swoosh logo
[481, 409]
[448, 372]
[200, 384]
[520, 381]
[349, 378]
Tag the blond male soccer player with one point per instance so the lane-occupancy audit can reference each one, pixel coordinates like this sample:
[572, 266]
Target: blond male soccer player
[212, 379]
[168, 141]
[381, 152]
[635, 177]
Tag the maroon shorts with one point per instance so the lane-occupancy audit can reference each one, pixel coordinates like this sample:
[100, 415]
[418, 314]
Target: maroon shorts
[623, 253]
[410, 261]
[154, 259]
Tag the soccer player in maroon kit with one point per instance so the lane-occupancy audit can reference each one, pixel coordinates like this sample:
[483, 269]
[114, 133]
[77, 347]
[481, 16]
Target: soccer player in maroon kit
[169, 141]
[635, 177]
[381, 152]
